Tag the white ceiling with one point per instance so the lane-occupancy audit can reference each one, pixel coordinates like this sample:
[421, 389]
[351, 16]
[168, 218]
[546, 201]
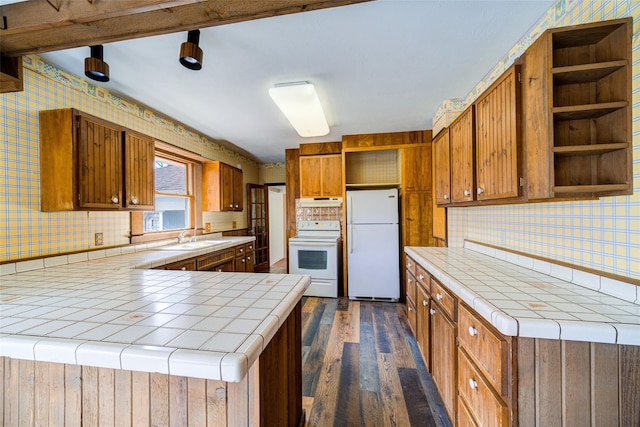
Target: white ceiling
[381, 66]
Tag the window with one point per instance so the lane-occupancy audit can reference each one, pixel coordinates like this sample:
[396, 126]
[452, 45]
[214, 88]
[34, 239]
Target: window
[174, 195]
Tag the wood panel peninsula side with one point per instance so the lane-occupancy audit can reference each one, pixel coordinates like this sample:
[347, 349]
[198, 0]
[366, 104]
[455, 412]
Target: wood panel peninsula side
[114, 340]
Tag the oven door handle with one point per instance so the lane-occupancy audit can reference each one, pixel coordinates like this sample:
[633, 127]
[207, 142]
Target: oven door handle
[294, 244]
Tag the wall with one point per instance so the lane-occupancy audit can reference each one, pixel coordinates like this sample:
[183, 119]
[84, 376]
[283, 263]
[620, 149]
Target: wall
[24, 230]
[602, 234]
[272, 173]
[277, 224]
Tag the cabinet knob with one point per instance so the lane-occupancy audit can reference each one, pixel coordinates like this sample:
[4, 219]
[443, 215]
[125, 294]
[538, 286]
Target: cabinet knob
[241, 250]
[114, 199]
[248, 258]
[237, 206]
[134, 200]
[473, 331]
[425, 303]
[438, 297]
[480, 190]
[231, 205]
[473, 384]
[243, 261]
[432, 312]
[220, 270]
[184, 269]
[410, 309]
[421, 277]
[467, 192]
[446, 197]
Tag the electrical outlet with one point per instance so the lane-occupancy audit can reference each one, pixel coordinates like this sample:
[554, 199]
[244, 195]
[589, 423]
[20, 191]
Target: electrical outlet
[233, 224]
[207, 227]
[98, 239]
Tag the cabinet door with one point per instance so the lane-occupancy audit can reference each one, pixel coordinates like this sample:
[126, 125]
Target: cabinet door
[100, 164]
[498, 138]
[422, 308]
[310, 176]
[417, 218]
[443, 357]
[139, 176]
[226, 187]
[238, 189]
[442, 164]
[331, 176]
[240, 264]
[461, 137]
[416, 168]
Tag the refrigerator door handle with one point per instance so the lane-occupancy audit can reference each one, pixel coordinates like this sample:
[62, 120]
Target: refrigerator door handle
[350, 209]
[350, 240]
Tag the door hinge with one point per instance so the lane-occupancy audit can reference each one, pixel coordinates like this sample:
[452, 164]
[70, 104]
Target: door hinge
[521, 182]
[519, 78]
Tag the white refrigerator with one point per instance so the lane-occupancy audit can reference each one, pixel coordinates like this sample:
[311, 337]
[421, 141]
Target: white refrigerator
[373, 242]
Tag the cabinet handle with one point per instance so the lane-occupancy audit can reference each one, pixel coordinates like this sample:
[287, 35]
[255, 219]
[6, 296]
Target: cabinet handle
[467, 192]
[410, 309]
[432, 312]
[425, 303]
[219, 270]
[421, 277]
[446, 197]
[480, 190]
[241, 250]
[237, 206]
[243, 260]
[114, 199]
[438, 297]
[231, 205]
[184, 269]
[248, 258]
[473, 384]
[134, 200]
[473, 331]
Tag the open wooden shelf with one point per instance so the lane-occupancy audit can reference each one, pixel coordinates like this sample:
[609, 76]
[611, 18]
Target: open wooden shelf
[578, 150]
[586, 73]
[588, 111]
[597, 188]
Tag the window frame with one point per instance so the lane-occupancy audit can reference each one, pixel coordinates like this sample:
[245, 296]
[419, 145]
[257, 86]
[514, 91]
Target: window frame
[194, 186]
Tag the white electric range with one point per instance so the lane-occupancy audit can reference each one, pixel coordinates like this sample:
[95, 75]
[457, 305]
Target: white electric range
[317, 250]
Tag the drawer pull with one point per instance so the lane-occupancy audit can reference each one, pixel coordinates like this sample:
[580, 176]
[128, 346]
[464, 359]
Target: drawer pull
[184, 269]
[425, 303]
[473, 384]
[432, 311]
[473, 331]
[438, 297]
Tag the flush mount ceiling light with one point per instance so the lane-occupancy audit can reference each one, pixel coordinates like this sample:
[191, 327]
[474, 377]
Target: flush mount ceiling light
[94, 67]
[190, 53]
[300, 104]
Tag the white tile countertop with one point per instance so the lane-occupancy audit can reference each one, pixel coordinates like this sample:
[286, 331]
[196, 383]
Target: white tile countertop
[526, 297]
[109, 310]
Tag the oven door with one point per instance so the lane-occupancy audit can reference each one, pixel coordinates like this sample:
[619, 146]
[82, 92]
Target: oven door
[316, 258]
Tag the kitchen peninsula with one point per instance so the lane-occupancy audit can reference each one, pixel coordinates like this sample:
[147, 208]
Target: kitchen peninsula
[102, 338]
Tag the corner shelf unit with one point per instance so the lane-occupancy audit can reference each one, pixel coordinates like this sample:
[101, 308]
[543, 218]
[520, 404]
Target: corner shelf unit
[591, 111]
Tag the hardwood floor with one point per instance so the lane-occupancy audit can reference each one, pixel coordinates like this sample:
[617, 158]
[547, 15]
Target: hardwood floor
[361, 367]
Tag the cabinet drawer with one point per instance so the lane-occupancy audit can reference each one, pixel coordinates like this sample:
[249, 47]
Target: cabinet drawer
[411, 288]
[240, 250]
[487, 348]
[484, 405]
[209, 261]
[185, 265]
[248, 247]
[465, 419]
[423, 277]
[411, 265]
[442, 296]
[411, 315]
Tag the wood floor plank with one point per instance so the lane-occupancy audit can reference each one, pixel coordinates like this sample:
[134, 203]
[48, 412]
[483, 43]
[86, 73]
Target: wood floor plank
[370, 405]
[368, 379]
[393, 405]
[415, 399]
[311, 321]
[347, 412]
[380, 329]
[315, 360]
[354, 322]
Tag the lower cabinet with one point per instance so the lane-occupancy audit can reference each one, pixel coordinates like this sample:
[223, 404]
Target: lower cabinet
[423, 323]
[235, 259]
[443, 357]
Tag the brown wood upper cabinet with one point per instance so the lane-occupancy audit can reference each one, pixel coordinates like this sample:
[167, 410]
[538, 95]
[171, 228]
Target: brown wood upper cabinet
[90, 164]
[462, 141]
[321, 176]
[498, 141]
[577, 111]
[222, 187]
[442, 167]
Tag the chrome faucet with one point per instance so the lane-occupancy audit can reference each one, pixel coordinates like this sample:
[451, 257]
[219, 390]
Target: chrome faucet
[181, 238]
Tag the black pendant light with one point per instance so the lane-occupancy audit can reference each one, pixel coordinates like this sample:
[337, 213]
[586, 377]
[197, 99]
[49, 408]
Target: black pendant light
[94, 67]
[190, 53]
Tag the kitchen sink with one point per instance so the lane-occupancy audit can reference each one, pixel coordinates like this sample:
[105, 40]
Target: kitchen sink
[190, 246]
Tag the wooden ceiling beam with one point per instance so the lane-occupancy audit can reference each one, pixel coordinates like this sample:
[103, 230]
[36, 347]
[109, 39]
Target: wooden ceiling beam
[129, 19]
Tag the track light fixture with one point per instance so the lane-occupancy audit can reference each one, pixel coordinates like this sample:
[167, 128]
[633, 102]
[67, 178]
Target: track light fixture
[190, 53]
[94, 67]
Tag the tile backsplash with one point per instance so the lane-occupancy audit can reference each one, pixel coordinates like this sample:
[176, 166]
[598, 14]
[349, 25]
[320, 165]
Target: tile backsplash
[317, 214]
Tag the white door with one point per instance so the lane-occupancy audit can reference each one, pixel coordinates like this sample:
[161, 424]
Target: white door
[373, 261]
[372, 206]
